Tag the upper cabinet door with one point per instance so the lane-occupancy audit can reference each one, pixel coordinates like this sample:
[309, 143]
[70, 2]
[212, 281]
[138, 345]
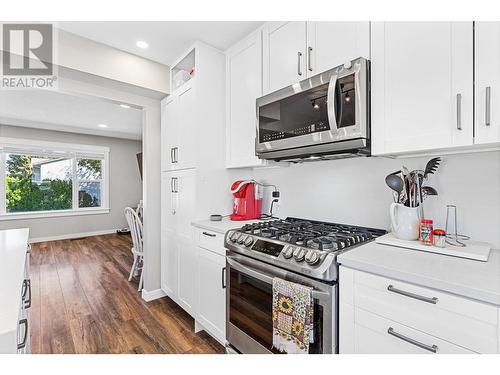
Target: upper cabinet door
[330, 44]
[422, 86]
[169, 134]
[185, 154]
[243, 87]
[487, 67]
[284, 54]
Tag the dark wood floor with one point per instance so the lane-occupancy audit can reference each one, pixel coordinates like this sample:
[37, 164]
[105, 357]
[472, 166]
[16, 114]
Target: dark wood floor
[83, 303]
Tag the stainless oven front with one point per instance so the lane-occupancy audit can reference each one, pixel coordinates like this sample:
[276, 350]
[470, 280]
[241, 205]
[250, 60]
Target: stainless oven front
[330, 108]
[249, 326]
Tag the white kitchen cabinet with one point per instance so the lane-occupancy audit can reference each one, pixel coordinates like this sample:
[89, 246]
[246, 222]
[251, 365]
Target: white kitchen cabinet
[212, 293]
[487, 82]
[330, 44]
[179, 129]
[178, 250]
[382, 315]
[293, 51]
[284, 54]
[243, 87]
[422, 86]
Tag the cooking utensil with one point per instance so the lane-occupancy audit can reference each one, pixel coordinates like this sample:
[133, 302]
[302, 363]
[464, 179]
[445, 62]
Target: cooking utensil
[432, 166]
[395, 183]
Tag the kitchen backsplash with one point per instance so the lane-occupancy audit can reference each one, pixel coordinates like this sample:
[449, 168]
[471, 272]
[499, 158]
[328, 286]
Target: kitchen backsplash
[354, 191]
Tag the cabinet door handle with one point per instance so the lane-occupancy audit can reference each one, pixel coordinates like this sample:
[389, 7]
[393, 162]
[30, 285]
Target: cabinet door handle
[28, 250]
[176, 154]
[309, 65]
[432, 300]
[172, 155]
[459, 111]
[209, 234]
[430, 348]
[299, 69]
[487, 115]
[27, 302]
[176, 185]
[224, 278]
[172, 184]
[22, 344]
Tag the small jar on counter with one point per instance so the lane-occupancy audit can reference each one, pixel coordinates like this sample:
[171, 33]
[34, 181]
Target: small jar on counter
[439, 237]
[426, 231]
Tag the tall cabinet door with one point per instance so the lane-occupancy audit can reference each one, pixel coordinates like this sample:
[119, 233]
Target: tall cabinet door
[186, 151]
[487, 55]
[422, 91]
[169, 242]
[330, 44]
[243, 87]
[169, 134]
[284, 54]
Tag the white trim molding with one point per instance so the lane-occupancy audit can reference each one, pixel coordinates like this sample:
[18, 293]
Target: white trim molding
[71, 236]
[55, 213]
[152, 295]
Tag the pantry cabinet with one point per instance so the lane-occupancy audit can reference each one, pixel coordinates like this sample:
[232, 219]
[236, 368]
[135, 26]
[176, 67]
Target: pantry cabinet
[178, 250]
[487, 82]
[293, 51]
[422, 86]
[243, 87]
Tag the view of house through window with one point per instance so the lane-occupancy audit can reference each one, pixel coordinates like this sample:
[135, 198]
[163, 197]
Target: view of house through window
[51, 181]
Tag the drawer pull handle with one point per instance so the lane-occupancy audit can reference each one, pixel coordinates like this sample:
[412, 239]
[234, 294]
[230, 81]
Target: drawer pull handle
[209, 234]
[409, 340]
[432, 300]
[224, 278]
[25, 337]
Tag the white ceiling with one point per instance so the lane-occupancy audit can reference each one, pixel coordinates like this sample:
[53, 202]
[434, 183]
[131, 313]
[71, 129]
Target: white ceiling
[167, 40]
[60, 111]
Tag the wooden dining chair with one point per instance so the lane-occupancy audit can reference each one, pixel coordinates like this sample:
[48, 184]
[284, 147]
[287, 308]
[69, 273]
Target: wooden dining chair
[135, 225]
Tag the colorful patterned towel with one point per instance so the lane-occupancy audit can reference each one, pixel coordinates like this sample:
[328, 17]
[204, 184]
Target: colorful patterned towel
[292, 317]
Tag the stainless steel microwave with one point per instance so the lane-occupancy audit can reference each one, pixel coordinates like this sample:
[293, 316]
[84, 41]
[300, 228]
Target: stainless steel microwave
[323, 117]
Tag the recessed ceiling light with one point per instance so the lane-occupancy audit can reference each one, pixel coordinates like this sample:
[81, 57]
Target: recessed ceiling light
[124, 105]
[102, 125]
[141, 44]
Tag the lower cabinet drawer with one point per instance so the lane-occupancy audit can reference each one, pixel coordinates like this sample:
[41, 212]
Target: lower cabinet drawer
[374, 334]
[466, 323]
[210, 240]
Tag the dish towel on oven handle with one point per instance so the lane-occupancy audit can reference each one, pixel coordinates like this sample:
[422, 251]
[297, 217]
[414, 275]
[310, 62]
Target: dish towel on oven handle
[292, 317]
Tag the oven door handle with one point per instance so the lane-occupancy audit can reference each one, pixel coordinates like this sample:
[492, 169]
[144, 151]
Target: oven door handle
[316, 294]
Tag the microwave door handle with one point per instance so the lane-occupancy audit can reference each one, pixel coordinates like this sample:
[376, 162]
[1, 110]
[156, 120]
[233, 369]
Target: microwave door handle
[266, 278]
[331, 102]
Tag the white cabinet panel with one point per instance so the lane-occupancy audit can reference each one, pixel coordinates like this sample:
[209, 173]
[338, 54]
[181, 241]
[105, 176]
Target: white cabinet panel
[422, 92]
[243, 87]
[212, 293]
[487, 90]
[188, 282]
[186, 153]
[284, 54]
[169, 131]
[330, 44]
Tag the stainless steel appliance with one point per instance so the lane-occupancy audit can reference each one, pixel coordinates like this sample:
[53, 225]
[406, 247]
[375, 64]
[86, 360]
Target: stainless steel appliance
[326, 116]
[298, 250]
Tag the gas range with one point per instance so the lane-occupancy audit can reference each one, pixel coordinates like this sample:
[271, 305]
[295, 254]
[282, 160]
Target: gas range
[306, 247]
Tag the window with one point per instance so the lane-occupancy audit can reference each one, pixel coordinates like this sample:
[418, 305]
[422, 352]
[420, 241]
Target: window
[51, 179]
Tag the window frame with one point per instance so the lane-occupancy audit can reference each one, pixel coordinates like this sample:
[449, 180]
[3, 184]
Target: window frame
[71, 150]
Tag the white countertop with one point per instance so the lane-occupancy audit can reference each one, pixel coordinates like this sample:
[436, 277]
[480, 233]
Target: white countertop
[222, 226]
[13, 244]
[469, 278]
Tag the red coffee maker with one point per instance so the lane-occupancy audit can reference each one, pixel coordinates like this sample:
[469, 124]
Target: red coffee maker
[247, 200]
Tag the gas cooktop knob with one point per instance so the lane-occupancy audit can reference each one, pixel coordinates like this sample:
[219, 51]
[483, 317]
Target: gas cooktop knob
[312, 257]
[234, 237]
[242, 239]
[299, 254]
[288, 253]
[248, 242]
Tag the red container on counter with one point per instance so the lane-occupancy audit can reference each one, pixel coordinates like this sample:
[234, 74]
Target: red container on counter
[426, 236]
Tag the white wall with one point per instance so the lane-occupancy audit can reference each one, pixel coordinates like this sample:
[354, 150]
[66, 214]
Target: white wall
[125, 184]
[353, 191]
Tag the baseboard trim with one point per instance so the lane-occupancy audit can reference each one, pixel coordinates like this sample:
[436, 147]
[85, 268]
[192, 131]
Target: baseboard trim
[72, 236]
[152, 295]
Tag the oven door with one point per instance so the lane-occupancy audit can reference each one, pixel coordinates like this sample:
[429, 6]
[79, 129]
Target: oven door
[329, 107]
[249, 326]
